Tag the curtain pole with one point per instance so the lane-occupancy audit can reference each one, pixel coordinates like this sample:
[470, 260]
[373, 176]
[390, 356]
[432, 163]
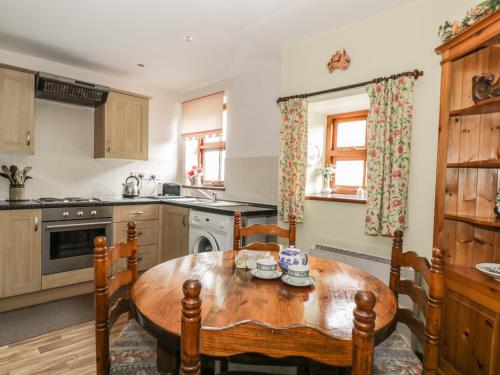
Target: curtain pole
[415, 74]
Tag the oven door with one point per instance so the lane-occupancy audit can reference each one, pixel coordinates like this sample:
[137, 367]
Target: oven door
[69, 245]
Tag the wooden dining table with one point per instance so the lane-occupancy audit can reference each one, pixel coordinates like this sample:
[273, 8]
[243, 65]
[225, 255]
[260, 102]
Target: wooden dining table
[323, 313]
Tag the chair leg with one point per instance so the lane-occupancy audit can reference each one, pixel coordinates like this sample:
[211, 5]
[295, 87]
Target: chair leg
[303, 370]
[166, 361]
[224, 365]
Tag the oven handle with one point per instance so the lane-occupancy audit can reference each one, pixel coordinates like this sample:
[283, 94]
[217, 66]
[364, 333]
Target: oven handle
[77, 225]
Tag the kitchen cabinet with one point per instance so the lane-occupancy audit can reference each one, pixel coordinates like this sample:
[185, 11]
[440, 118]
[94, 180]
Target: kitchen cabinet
[17, 111]
[146, 220]
[121, 127]
[174, 232]
[20, 252]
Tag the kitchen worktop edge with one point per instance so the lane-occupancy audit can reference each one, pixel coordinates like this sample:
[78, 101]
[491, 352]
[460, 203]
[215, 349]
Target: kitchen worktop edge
[248, 209]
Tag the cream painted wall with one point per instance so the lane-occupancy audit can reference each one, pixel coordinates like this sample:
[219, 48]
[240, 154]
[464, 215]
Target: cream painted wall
[397, 40]
[63, 163]
[316, 148]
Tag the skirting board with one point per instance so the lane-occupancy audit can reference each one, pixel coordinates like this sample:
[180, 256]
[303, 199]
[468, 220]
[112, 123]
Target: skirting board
[17, 302]
[57, 280]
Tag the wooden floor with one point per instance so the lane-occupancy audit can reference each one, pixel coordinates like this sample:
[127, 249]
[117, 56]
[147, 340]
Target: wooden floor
[68, 351]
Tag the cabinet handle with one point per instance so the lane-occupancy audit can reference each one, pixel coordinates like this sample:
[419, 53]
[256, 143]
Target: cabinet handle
[139, 259]
[108, 149]
[137, 212]
[36, 223]
[184, 220]
[140, 233]
[28, 139]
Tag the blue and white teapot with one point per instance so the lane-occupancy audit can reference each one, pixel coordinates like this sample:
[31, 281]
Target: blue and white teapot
[291, 255]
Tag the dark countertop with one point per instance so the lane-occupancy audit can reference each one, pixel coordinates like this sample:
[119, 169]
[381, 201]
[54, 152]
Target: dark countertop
[7, 205]
[249, 209]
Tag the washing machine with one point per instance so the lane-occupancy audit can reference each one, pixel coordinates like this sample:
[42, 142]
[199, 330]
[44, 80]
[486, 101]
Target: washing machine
[209, 232]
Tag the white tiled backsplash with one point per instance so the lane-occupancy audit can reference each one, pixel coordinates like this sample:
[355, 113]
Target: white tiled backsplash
[250, 179]
[63, 163]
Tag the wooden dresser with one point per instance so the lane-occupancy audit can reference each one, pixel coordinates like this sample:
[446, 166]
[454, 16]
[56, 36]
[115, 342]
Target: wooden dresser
[466, 186]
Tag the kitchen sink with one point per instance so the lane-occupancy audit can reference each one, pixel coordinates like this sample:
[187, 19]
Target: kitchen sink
[185, 199]
[221, 204]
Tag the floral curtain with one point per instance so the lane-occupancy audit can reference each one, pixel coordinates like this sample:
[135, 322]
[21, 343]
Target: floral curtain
[388, 155]
[293, 158]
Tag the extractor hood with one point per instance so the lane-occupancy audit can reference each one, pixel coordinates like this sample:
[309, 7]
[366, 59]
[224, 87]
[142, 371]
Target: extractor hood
[67, 90]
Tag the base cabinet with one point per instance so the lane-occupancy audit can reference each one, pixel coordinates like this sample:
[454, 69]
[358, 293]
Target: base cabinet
[471, 335]
[20, 252]
[146, 220]
[174, 232]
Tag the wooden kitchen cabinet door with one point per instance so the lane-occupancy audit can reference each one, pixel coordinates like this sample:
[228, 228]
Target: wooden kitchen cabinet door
[20, 254]
[122, 127]
[470, 337]
[174, 229]
[17, 111]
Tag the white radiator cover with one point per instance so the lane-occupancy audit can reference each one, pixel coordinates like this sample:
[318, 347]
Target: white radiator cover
[377, 266]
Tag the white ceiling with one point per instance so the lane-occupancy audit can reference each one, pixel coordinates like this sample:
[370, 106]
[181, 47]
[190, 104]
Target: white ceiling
[230, 36]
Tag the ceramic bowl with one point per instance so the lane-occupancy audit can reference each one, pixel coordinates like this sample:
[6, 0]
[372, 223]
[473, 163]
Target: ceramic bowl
[490, 269]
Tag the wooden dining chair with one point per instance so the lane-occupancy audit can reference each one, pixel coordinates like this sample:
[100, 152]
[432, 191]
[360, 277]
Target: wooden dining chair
[233, 340]
[263, 229]
[394, 355]
[134, 351]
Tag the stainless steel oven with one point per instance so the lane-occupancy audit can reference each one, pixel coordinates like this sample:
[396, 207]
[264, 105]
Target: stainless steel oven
[68, 236]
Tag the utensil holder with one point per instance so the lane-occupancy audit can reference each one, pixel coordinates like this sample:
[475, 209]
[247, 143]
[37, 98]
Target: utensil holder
[17, 193]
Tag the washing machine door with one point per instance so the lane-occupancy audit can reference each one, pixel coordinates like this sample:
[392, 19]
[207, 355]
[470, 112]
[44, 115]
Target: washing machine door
[205, 243]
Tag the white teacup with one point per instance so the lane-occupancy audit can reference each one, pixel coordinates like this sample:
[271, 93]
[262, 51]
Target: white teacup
[298, 272]
[267, 266]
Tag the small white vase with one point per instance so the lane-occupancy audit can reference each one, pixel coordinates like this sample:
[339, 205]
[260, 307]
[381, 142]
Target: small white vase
[326, 186]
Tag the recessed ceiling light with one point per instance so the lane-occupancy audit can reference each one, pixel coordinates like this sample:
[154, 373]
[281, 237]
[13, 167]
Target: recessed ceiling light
[188, 38]
[140, 65]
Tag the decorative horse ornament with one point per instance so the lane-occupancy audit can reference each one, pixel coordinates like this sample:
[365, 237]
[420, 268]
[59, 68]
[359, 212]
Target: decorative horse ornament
[340, 60]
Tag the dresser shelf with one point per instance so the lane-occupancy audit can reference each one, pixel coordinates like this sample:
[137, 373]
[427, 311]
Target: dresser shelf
[476, 164]
[489, 222]
[490, 105]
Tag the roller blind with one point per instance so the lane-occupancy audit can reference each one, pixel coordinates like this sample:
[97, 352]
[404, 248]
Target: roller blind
[203, 114]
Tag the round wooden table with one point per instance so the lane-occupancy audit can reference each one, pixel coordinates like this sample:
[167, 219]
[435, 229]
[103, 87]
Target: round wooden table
[323, 313]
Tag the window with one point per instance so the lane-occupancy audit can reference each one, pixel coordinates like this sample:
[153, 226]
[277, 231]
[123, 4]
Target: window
[346, 149]
[205, 150]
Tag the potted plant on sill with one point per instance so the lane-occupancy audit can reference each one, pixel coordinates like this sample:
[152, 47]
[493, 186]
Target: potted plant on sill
[17, 179]
[194, 175]
[328, 174]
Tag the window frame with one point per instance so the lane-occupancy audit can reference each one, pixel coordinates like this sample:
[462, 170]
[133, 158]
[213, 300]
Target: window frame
[334, 153]
[217, 146]
[202, 146]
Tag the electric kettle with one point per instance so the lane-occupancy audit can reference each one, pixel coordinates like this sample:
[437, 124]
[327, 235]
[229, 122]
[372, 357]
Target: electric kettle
[131, 187]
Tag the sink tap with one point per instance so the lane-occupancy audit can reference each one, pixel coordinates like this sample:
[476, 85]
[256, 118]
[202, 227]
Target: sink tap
[212, 196]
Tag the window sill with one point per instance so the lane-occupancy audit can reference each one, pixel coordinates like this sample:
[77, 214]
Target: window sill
[203, 187]
[342, 198]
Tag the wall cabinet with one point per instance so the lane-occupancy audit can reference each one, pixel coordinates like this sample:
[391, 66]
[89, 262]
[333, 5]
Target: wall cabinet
[20, 252]
[121, 127]
[174, 232]
[17, 111]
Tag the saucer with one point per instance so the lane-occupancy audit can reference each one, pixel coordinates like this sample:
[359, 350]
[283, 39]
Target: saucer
[308, 281]
[257, 273]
